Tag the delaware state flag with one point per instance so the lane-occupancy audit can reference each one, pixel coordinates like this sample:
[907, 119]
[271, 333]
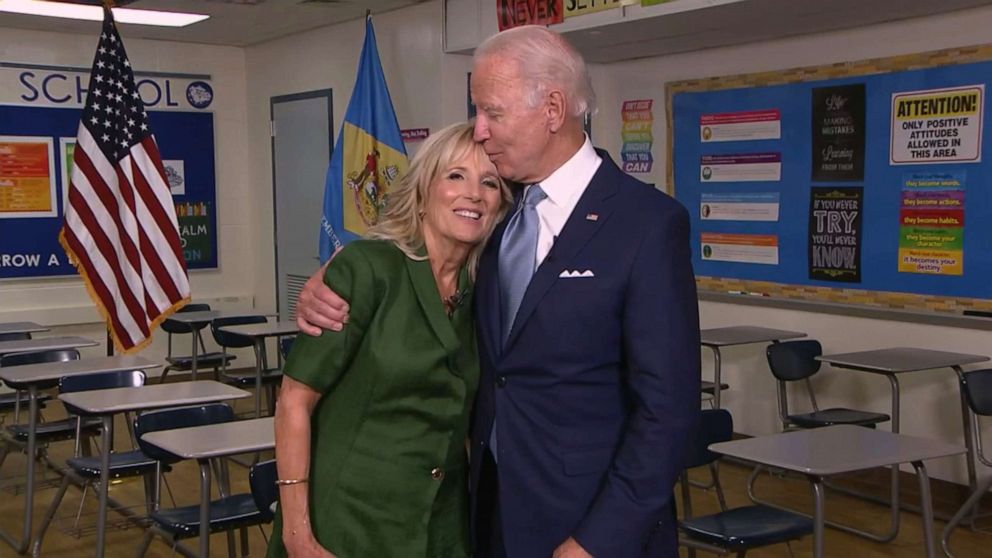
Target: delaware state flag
[368, 158]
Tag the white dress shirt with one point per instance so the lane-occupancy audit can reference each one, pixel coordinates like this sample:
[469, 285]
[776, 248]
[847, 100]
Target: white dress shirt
[564, 188]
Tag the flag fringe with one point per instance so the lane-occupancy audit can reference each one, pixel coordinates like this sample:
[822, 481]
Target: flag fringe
[103, 311]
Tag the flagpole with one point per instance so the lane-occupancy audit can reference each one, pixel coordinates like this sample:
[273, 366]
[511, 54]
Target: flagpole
[109, 4]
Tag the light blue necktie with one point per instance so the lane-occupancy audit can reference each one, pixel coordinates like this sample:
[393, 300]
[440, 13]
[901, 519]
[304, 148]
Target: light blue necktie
[518, 255]
[517, 262]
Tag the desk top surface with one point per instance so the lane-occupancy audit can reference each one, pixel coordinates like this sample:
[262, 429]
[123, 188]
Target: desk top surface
[836, 449]
[45, 344]
[900, 359]
[743, 335]
[48, 371]
[269, 329]
[216, 440]
[21, 327]
[204, 316]
[119, 400]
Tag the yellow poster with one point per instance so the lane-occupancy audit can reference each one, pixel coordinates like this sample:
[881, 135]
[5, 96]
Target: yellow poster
[582, 7]
[27, 177]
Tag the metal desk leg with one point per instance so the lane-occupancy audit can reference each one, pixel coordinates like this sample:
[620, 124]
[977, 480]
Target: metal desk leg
[716, 376]
[819, 510]
[22, 546]
[204, 508]
[926, 506]
[969, 505]
[107, 440]
[193, 353]
[259, 363]
[969, 441]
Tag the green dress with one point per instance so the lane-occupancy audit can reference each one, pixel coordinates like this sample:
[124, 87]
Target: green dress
[388, 470]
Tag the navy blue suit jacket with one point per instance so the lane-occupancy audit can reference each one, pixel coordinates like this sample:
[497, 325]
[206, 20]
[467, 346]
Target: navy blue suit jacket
[597, 387]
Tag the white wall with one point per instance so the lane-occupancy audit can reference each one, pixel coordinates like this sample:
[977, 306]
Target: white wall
[64, 302]
[929, 399]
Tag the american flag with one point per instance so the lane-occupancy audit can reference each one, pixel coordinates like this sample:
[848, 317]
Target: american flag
[120, 227]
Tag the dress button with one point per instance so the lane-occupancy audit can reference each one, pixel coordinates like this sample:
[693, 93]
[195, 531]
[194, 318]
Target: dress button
[501, 381]
[437, 473]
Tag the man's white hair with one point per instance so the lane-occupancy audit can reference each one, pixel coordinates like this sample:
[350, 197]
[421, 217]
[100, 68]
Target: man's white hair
[545, 61]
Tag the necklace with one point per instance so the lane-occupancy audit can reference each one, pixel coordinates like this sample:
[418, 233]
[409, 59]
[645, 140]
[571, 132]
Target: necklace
[454, 301]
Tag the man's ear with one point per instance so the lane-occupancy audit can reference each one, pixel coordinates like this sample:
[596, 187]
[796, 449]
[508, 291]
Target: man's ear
[557, 109]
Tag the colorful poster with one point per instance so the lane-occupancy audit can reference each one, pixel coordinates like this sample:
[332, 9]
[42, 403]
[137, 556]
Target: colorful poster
[637, 137]
[937, 126]
[739, 207]
[741, 167]
[931, 223]
[66, 147]
[835, 234]
[27, 177]
[582, 7]
[195, 232]
[740, 126]
[514, 13]
[744, 248]
[838, 133]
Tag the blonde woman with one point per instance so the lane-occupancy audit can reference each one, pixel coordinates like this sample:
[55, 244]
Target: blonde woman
[372, 420]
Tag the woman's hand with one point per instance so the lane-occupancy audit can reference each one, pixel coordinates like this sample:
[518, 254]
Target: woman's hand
[304, 545]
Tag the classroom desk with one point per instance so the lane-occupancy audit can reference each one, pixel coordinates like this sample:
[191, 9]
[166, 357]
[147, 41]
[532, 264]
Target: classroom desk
[831, 450]
[214, 440]
[44, 344]
[259, 333]
[105, 403]
[716, 338]
[900, 360]
[33, 377]
[197, 319]
[21, 327]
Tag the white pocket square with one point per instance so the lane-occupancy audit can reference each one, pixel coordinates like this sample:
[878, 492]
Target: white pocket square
[574, 274]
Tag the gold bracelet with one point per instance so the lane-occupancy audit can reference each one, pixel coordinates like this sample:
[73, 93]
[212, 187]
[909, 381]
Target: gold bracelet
[282, 482]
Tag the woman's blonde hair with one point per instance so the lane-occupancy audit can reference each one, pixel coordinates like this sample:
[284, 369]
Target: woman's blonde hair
[400, 221]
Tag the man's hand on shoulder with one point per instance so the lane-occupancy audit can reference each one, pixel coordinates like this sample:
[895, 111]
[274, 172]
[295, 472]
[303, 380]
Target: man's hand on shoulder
[318, 307]
[571, 549]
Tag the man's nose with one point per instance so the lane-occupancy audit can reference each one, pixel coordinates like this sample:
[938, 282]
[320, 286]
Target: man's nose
[481, 131]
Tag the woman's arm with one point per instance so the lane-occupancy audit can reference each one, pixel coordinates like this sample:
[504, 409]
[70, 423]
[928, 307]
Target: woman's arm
[293, 410]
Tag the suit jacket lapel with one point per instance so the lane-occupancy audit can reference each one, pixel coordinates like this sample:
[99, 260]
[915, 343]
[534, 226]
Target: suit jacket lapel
[579, 228]
[430, 303]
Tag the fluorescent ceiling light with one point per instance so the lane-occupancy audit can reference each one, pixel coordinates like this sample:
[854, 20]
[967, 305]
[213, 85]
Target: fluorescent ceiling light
[95, 13]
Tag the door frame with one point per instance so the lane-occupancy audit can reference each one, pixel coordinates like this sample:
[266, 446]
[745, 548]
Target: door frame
[273, 101]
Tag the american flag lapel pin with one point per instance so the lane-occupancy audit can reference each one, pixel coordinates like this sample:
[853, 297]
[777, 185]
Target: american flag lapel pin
[592, 216]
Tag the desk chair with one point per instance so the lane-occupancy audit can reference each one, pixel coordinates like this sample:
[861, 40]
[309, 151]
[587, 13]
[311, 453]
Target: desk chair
[735, 530]
[85, 469]
[271, 377]
[237, 511]
[976, 390]
[12, 401]
[16, 336]
[46, 432]
[794, 361]
[184, 363]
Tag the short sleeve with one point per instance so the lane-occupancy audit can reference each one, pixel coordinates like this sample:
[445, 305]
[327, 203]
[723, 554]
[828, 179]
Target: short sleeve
[319, 362]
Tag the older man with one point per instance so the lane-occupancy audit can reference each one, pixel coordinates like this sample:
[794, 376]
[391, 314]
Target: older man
[587, 320]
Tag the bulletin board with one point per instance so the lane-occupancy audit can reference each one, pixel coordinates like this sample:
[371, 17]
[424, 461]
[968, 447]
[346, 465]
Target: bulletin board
[36, 146]
[866, 184]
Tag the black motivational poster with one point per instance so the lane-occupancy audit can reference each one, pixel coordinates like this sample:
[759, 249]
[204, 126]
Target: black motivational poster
[835, 234]
[839, 133]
